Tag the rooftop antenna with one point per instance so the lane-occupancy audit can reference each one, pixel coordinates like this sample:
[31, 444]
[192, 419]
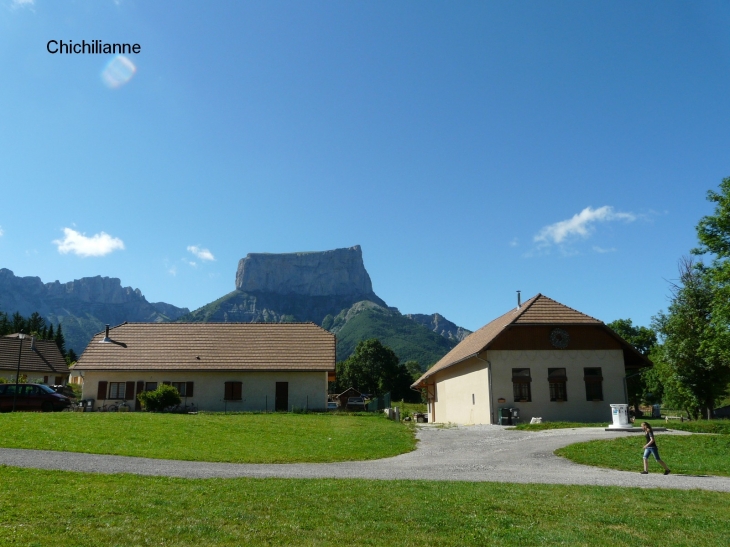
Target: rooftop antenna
[106, 338]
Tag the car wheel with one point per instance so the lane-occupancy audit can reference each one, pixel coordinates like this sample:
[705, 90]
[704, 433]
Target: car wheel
[47, 406]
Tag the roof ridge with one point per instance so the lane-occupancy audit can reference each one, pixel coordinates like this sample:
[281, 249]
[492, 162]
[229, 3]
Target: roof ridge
[526, 306]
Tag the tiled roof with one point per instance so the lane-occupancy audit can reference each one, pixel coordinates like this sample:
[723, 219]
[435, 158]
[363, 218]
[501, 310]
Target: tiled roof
[212, 346]
[46, 358]
[537, 310]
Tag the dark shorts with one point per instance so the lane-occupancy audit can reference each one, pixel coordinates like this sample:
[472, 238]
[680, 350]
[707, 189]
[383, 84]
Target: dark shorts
[651, 450]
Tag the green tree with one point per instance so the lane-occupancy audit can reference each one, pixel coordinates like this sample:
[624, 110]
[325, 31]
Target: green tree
[690, 360]
[644, 339]
[60, 340]
[414, 369]
[373, 368]
[19, 322]
[36, 324]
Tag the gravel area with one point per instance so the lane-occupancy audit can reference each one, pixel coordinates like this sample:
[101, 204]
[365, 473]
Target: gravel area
[482, 453]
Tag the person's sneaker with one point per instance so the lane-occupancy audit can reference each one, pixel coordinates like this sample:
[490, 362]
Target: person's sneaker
[646, 473]
[667, 472]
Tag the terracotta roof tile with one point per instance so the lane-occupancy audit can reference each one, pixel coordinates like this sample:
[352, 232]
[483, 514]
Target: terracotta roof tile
[45, 359]
[537, 310]
[212, 346]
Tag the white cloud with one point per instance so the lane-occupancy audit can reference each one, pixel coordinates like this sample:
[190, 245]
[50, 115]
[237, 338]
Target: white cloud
[15, 4]
[97, 245]
[514, 243]
[602, 250]
[172, 271]
[1, 231]
[202, 254]
[579, 225]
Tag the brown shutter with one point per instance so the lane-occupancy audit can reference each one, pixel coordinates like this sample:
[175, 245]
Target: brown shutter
[227, 391]
[189, 389]
[236, 391]
[45, 379]
[101, 391]
[59, 380]
[129, 391]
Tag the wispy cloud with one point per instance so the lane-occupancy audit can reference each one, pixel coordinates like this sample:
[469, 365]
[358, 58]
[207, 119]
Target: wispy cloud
[514, 243]
[580, 225]
[172, 271]
[602, 250]
[79, 244]
[22, 4]
[1, 231]
[202, 254]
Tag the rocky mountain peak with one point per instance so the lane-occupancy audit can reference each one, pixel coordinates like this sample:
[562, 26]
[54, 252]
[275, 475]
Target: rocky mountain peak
[339, 272]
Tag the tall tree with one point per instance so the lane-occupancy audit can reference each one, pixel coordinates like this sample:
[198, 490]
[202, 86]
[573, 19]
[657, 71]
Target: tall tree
[60, 340]
[19, 322]
[690, 361]
[644, 339]
[374, 369]
[35, 324]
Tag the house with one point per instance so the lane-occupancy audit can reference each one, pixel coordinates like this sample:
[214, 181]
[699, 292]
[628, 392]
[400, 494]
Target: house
[543, 358]
[342, 397]
[41, 361]
[215, 366]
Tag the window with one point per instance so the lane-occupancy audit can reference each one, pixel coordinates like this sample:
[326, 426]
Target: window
[117, 390]
[185, 389]
[233, 391]
[150, 386]
[521, 385]
[594, 383]
[558, 388]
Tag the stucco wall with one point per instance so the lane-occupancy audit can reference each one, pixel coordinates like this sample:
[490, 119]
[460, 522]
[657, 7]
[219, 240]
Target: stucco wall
[462, 394]
[306, 389]
[455, 386]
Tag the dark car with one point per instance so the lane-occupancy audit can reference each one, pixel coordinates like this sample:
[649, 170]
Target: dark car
[355, 403]
[32, 397]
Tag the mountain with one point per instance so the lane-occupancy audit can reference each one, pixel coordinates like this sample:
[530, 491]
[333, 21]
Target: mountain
[82, 306]
[332, 289]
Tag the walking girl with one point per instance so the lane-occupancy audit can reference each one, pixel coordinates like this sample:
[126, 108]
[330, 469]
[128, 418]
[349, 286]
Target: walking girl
[651, 448]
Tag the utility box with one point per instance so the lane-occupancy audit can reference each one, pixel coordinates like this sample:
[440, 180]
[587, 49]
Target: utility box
[620, 415]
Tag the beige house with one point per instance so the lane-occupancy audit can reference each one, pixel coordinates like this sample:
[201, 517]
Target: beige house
[214, 366]
[544, 358]
[41, 361]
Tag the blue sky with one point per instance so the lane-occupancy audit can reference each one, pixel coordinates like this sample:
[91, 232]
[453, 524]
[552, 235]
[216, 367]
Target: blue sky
[470, 148]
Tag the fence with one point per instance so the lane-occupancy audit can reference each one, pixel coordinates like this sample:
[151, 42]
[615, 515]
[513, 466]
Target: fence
[379, 403]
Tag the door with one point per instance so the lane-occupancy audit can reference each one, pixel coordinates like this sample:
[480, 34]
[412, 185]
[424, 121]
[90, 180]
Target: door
[282, 396]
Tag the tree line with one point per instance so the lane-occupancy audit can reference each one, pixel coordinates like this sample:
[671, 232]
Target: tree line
[689, 343]
[36, 325]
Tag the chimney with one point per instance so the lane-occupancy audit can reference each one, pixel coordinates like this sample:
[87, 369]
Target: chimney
[519, 300]
[32, 343]
[106, 338]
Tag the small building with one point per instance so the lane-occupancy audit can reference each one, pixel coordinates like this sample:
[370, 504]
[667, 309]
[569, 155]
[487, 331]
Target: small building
[41, 362]
[543, 358]
[215, 366]
[342, 397]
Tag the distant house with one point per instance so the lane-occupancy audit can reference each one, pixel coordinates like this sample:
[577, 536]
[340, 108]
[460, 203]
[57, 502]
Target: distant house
[40, 360]
[342, 397]
[216, 366]
[544, 358]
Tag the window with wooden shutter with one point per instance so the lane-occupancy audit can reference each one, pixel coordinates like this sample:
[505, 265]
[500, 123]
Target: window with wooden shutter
[521, 385]
[59, 380]
[188, 389]
[558, 384]
[129, 391]
[593, 378]
[233, 391]
[101, 391]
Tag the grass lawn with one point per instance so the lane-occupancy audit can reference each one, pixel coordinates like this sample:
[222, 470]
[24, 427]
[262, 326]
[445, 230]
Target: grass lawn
[39, 508]
[692, 455]
[238, 438]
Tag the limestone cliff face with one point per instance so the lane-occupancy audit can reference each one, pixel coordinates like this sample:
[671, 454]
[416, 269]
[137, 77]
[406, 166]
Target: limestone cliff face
[440, 325]
[82, 306]
[339, 272]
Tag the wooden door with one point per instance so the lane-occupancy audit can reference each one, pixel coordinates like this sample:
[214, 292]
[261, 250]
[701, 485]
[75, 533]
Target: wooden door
[282, 396]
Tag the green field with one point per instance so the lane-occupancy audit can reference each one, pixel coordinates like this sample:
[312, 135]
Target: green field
[690, 455]
[237, 438]
[126, 510]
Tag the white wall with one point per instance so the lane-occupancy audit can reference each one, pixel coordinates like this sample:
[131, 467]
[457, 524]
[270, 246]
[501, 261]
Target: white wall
[576, 408]
[462, 394]
[306, 389]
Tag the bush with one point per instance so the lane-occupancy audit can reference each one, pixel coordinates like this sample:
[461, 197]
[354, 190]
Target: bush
[158, 400]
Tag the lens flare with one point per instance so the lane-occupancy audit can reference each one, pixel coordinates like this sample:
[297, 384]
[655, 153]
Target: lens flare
[118, 72]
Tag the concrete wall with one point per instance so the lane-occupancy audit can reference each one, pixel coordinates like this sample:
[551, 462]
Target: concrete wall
[306, 389]
[462, 394]
[455, 386]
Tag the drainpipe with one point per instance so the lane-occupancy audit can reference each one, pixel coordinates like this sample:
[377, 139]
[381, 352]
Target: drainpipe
[489, 379]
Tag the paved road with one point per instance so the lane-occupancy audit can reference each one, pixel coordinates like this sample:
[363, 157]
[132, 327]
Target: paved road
[468, 453]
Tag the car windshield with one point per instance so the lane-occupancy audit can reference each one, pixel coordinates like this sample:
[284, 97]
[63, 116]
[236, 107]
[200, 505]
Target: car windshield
[46, 389]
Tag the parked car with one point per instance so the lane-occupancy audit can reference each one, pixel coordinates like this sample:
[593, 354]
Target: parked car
[332, 405]
[32, 397]
[355, 403]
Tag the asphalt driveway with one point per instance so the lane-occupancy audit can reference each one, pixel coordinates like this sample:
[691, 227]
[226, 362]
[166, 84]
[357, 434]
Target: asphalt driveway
[465, 453]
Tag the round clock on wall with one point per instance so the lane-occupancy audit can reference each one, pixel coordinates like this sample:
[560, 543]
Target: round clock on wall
[559, 338]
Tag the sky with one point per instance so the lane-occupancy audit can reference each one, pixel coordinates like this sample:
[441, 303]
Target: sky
[472, 149]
